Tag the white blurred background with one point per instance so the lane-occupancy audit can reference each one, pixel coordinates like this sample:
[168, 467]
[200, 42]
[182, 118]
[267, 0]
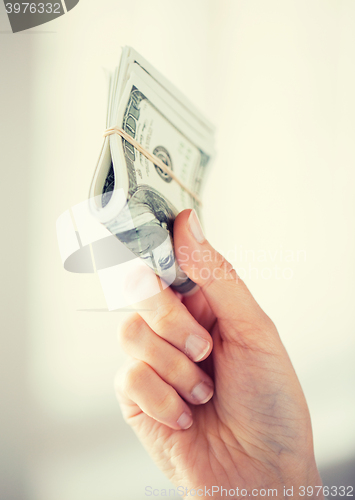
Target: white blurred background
[277, 78]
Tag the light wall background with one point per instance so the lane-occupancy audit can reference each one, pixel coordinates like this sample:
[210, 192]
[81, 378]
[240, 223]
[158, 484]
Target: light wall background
[277, 78]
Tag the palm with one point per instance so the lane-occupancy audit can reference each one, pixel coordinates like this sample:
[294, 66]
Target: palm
[250, 420]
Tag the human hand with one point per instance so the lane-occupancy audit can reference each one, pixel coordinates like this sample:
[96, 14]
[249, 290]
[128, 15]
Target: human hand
[238, 418]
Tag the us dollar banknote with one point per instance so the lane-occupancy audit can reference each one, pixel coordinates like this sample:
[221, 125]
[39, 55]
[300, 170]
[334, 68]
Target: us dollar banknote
[133, 197]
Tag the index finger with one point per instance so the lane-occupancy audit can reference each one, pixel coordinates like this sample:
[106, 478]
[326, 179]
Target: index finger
[169, 318]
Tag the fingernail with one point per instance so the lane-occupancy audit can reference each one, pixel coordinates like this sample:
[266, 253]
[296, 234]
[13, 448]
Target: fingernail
[202, 393]
[196, 347]
[184, 421]
[195, 227]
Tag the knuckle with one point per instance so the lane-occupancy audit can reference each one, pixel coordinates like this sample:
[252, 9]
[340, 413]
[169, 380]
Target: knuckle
[129, 330]
[223, 267]
[176, 368]
[269, 324]
[220, 269]
[134, 376]
[165, 405]
[150, 353]
[165, 316]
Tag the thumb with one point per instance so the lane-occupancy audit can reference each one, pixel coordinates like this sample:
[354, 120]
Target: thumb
[226, 294]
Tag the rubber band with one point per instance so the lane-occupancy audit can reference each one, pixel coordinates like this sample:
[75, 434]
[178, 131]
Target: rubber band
[153, 158]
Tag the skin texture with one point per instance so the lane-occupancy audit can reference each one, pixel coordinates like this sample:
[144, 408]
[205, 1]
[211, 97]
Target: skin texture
[254, 431]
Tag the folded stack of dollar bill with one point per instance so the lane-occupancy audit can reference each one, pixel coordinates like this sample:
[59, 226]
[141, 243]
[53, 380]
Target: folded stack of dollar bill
[133, 197]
